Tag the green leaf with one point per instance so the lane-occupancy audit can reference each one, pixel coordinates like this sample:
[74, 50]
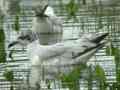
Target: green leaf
[100, 73]
[108, 51]
[16, 24]
[11, 87]
[100, 77]
[15, 7]
[2, 46]
[113, 51]
[9, 76]
[71, 9]
[100, 24]
[71, 80]
[84, 2]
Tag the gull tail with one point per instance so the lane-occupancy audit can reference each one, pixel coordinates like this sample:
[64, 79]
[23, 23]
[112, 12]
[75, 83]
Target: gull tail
[13, 44]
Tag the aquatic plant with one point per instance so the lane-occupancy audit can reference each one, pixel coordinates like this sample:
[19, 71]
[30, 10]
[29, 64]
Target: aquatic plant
[71, 80]
[9, 76]
[2, 42]
[71, 9]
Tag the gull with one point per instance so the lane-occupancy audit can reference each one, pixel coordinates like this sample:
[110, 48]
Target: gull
[52, 59]
[24, 38]
[48, 61]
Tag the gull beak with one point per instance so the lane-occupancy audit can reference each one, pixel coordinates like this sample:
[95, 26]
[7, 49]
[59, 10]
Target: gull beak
[43, 11]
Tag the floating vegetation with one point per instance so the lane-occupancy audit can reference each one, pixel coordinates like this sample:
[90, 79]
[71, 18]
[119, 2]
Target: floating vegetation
[114, 51]
[71, 9]
[71, 80]
[2, 43]
[100, 77]
[16, 25]
[9, 76]
[100, 73]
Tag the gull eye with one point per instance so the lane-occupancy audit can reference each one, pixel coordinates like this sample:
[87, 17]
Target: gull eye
[86, 47]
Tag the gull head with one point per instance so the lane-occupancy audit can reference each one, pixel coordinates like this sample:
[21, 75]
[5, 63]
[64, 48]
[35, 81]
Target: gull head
[39, 7]
[25, 38]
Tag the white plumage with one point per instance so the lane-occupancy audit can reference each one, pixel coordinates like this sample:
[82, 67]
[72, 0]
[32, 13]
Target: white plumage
[50, 60]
